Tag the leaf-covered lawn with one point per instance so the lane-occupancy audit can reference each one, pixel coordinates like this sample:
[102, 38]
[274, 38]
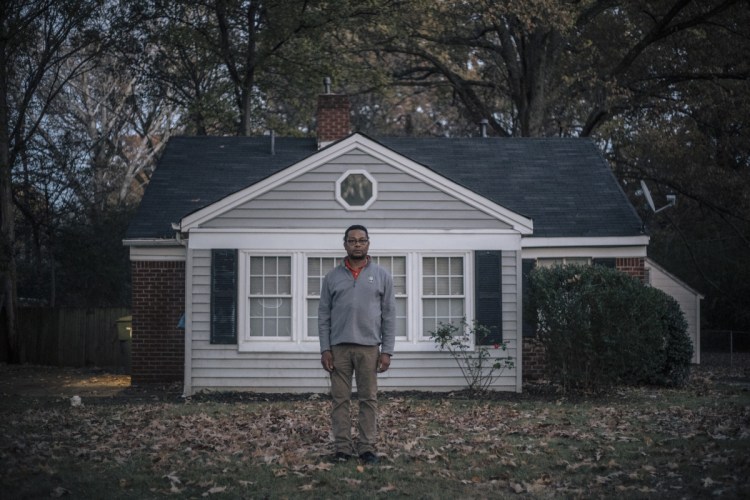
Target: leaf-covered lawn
[656, 443]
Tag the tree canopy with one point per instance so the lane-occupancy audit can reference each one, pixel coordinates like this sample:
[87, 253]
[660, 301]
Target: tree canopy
[94, 89]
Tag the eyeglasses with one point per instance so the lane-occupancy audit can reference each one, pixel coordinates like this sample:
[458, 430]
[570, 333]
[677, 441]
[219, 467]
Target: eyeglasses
[362, 241]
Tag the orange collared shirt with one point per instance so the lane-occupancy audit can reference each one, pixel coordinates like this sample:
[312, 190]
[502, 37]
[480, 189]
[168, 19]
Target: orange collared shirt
[355, 272]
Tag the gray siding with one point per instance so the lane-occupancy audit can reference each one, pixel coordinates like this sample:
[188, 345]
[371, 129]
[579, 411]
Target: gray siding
[309, 201]
[222, 367]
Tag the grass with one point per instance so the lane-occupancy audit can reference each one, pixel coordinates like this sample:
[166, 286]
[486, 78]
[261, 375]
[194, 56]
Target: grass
[635, 443]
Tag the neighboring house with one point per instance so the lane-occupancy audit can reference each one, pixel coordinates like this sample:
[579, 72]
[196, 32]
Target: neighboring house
[237, 233]
[688, 298]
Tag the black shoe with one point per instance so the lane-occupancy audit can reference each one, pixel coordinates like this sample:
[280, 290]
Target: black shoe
[369, 457]
[340, 456]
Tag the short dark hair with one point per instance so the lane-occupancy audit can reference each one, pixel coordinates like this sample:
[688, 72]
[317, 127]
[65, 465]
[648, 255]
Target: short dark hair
[355, 227]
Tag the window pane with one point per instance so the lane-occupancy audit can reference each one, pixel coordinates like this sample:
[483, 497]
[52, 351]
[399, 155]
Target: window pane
[312, 317]
[428, 325]
[256, 327]
[269, 285]
[284, 285]
[442, 308]
[443, 286]
[457, 266]
[399, 284]
[457, 286]
[256, 266]
[312, 327]
[356, 190]
[313, 286]
[327, 265]
[443, 267]
[270, 327]
[457, 308]
[428, 265]
[401, 327]
[285, 309]
[284, 266]
[399, 266]
[313, 267]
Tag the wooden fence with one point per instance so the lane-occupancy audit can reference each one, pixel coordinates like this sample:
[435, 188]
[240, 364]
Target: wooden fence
[72, 337]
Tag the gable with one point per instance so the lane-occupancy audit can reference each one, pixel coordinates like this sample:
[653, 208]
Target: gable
[408, 196]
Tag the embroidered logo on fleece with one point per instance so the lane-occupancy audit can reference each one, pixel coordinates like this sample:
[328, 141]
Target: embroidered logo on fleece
[370, 279]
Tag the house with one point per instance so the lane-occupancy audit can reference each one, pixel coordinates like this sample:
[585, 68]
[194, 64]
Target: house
[236, 233]
[688, 298]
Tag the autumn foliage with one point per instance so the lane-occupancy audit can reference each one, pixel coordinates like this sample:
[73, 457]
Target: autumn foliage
[600, 327]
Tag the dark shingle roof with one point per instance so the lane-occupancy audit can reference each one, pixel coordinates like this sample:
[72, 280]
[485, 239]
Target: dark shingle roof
[564, 185]
[195, 172]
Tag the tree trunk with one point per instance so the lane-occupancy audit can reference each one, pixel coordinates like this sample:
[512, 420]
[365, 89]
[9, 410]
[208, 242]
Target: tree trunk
[7, 220]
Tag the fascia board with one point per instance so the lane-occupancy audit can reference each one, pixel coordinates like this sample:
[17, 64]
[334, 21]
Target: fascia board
[150, 242]
[369, 146]
[608, 241]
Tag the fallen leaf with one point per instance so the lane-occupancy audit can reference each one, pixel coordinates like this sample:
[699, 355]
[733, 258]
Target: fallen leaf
[215, 489]
[58, 492]
[517, 487]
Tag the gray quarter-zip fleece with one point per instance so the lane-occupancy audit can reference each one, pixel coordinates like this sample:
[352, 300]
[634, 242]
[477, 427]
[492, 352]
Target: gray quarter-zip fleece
[361, 311]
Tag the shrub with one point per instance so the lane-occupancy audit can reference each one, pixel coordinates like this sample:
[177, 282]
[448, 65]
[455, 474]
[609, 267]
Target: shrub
[478, 366]
[673, 368]
[601, 327]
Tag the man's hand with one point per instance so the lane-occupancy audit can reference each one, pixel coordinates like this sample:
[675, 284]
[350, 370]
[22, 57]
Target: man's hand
[326, 359]
[384, 363]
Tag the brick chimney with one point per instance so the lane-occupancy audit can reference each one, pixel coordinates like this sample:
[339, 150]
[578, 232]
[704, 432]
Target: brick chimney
[333, 118]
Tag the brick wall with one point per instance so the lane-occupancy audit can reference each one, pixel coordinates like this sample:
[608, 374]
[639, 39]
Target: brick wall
[158, 347]
[533, 359]
[634, 266]
[333, 118]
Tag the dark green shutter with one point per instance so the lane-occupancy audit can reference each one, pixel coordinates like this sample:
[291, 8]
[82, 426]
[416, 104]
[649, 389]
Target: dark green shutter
[529, 315]
[223, 296]
[488, 291]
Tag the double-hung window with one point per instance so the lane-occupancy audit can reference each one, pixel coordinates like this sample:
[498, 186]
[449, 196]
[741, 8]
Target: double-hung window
[443, 292]
[269, 311]
[318, 267]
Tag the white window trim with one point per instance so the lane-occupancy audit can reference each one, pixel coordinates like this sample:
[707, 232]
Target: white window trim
[301, 341]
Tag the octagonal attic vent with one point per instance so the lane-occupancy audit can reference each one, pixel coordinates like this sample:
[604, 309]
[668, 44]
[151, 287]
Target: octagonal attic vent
[356, 190]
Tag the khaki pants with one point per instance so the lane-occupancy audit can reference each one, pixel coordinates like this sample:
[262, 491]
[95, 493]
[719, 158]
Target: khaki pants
[361, 361]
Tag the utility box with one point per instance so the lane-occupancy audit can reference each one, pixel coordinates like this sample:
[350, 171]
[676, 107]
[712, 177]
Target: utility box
[125, 327]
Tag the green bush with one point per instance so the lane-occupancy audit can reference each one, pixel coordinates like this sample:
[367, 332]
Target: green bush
[677, 349]
[600, 327]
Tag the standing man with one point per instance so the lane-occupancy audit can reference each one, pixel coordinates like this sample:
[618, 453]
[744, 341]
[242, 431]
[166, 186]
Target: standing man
[356, 326]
